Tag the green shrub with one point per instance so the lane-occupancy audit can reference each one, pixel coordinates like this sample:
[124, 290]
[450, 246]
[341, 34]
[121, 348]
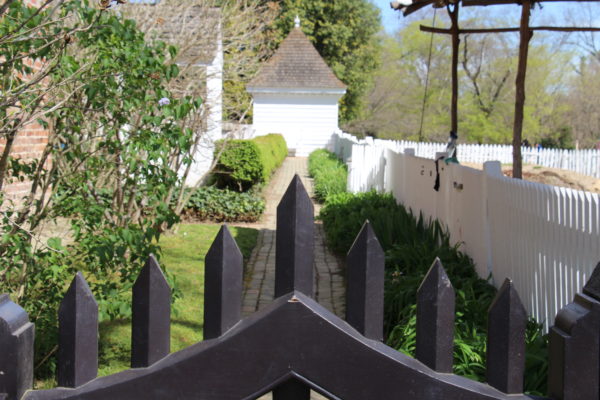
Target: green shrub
[244, 163]
[222, 205]
[411, 244]
[330, 174]
[273, 151]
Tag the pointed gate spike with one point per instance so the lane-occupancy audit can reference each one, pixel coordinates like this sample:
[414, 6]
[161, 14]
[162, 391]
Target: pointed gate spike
[16, 349]
[364, 297]
[294, 256]
[151, 316]
[78, 335]
[507, 321]
[573, 370]
[435, 320]
[222, 285]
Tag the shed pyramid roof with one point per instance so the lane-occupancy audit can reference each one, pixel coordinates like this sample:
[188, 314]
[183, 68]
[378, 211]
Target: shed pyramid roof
[296, 64]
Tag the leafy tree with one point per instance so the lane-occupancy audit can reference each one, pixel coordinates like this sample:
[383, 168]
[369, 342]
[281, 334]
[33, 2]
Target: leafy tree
[110, 168]
[242, 25]
[395, 100]
[563, 139]
[583, 113]
[487, 65]
[345, 34]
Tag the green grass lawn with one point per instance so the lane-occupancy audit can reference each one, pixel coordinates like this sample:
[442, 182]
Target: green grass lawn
[183, 257]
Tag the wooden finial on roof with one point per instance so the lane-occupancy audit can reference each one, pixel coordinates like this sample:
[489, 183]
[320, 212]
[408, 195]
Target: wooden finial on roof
[297, 21]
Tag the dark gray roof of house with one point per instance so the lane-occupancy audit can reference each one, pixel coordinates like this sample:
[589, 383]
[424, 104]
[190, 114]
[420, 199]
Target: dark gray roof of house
[296, 64]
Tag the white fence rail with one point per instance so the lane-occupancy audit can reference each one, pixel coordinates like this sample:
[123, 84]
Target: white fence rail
[545, 238]
[586, 162]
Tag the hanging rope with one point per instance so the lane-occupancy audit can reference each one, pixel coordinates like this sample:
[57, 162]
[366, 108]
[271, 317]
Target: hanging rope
[427, 79]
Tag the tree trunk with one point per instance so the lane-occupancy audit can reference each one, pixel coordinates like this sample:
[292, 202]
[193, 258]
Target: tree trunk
[525, 37]
[10, 139]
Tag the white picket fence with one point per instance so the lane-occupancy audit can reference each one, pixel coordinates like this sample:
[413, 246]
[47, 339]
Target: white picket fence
[545, 238]
[586, 162]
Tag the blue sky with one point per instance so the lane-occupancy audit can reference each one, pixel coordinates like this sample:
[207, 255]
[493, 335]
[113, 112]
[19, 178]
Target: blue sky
[389, 17]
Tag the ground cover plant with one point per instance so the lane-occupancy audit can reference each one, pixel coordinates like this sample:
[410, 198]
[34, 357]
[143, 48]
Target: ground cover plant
[224, 205]
[183, 255]
[411, 244]
[243, 163]
[329, 173]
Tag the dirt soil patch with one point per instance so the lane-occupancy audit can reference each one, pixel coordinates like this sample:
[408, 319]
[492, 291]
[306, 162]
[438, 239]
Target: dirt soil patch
[553, 176]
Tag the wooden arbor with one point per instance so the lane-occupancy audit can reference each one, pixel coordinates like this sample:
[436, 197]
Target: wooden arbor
[525, 35]
[295, 344]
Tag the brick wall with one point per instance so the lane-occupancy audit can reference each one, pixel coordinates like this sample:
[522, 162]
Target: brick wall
[29, 143]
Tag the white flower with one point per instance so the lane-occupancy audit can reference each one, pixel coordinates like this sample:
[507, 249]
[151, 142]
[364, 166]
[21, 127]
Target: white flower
[164, 101]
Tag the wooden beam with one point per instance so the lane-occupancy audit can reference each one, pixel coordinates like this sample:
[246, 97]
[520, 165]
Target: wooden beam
[565, 29]
[453, 13]
[446, 31]
[416, 6]
[471, 3]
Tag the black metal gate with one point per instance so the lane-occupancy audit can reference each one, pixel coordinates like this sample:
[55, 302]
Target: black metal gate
[295, 344]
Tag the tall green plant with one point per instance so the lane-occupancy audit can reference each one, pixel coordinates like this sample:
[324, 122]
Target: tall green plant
[329, 173]
[411, 244]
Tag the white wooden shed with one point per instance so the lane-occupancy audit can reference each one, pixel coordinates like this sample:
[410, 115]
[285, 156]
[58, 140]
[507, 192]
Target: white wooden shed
[296, 94]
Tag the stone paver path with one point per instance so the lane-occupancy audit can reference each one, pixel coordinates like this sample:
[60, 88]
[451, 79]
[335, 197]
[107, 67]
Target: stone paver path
[259, 282]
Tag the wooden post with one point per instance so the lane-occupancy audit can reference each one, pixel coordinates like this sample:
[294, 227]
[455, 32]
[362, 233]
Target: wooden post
[16, 350]
[454, 29]
[294, 259]
[151, 316]
[365, 275]
[292, 389]
[525, 34]
[507, 321]
[574, 347]
[435, 320]
[224, 270]
[77, 335]
[295, 241]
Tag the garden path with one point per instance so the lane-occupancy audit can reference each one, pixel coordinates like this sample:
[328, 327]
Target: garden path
[259, 282]
[259, 287]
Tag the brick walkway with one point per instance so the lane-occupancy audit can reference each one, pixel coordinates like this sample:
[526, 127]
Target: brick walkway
[260, 270]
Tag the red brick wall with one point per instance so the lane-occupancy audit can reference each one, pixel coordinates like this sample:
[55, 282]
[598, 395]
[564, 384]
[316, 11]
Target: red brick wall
[29, 143]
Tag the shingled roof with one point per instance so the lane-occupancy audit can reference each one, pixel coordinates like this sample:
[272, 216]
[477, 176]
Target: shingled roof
[296, 64]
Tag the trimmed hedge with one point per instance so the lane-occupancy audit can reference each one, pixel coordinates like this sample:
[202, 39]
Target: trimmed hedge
[329, 172]
[244, 163]
[411, 245]
[222, 205]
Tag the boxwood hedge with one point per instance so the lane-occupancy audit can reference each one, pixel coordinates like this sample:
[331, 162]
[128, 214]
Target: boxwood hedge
[244, 163]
